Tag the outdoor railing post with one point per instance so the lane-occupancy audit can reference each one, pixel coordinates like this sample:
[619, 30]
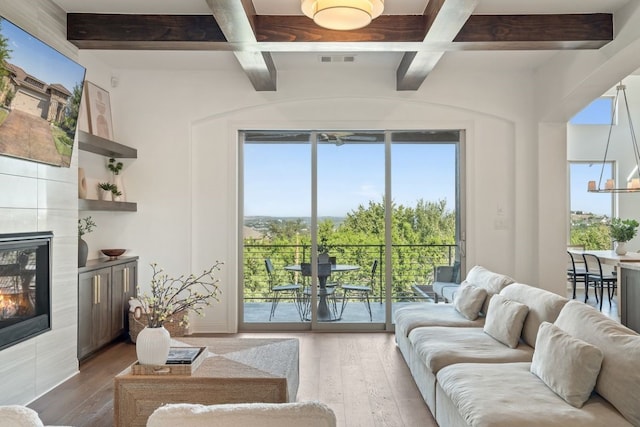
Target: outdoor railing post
[380, 271]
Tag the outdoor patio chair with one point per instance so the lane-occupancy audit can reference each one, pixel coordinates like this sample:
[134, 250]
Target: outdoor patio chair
[360, 292]
[278, 292]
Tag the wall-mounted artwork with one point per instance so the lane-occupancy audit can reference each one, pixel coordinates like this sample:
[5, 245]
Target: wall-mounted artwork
[40, 95]
[99, 109]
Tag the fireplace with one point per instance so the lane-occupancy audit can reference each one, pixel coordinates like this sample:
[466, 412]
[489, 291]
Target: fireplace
[25, 286]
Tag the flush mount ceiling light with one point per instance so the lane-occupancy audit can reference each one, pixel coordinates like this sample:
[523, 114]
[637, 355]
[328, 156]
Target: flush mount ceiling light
[342, 14]
[633, 180]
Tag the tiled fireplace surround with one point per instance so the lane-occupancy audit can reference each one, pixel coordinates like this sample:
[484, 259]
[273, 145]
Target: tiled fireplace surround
[36, 197]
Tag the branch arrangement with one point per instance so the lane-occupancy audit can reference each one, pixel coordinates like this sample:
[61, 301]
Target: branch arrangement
[170, 295]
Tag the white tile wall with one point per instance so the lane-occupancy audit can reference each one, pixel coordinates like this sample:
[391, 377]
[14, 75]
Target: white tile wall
[38, 197]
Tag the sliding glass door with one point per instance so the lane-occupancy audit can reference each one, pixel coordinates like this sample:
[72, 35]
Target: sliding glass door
[340, 227]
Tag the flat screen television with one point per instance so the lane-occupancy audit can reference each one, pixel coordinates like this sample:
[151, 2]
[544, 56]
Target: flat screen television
[40, 94]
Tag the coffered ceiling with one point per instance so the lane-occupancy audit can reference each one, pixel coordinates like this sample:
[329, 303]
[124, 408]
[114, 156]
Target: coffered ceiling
[414, 34]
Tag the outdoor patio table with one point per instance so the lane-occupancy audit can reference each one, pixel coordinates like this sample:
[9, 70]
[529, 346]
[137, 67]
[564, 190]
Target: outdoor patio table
[324, 314]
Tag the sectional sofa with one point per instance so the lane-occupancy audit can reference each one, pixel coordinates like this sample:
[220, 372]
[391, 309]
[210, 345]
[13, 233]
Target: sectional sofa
[505, 354]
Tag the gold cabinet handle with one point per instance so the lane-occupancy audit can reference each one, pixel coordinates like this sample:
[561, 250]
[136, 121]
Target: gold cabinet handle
[95, 290]
[99, 287]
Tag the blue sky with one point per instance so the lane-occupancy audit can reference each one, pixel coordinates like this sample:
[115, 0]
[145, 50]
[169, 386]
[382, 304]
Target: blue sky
[581, 200]
[40, 60]
[598, 112]
[278, 177]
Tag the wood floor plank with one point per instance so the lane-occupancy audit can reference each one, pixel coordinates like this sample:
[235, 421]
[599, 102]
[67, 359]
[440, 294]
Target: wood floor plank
[361, 376]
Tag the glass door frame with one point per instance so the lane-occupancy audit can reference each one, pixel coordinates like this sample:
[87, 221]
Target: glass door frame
[339, 326]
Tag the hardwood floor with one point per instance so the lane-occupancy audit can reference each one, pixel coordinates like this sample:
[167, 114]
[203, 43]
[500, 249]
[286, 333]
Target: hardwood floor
[361, 376]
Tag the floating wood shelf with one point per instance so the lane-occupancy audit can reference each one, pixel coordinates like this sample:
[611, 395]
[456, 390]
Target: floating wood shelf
[105, 205]
[105, 147]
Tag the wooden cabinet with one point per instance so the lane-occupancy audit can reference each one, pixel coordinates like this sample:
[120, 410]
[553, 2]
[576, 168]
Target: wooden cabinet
[104, 290]
[104, 147]
[124, 282]
[94, 310]
[630, 296]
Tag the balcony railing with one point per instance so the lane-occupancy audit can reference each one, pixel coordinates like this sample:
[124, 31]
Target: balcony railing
[410, 265]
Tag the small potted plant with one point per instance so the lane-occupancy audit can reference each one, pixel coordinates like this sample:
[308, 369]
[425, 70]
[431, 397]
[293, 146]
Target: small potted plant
[115, 193]
[105, 189]
[115, 167]
[623, 230]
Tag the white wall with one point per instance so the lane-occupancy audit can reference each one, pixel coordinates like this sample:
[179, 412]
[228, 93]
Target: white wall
[37, 197]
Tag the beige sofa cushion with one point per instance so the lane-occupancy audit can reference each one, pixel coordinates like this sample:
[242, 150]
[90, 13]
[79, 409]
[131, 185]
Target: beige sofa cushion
[544, 306]
[19, 416]
[505, 319]
[308, 414]
[508, 395]
[567, 365]
[468, 301]
[492, 282]
[619, 379]
[438, 347]
[413, 316]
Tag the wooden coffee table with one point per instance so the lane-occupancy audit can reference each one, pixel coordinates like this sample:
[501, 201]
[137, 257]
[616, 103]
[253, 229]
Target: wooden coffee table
[235, 370]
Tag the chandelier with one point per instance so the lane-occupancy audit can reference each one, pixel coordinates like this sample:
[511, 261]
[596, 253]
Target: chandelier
[342, 14]
[633, 180]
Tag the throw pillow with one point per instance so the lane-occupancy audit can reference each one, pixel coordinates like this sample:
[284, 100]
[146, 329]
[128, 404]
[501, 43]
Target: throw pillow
[468, 301]
[505, 319]
[567, 365]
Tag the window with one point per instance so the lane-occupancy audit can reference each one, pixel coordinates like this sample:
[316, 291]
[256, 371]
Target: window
[589, 212]
[384, 205]
[599, 112]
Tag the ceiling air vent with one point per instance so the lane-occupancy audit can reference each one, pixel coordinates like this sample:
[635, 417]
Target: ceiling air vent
[337, 58]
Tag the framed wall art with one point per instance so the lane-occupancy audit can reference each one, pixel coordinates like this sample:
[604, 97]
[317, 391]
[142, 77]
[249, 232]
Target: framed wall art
[99, 111]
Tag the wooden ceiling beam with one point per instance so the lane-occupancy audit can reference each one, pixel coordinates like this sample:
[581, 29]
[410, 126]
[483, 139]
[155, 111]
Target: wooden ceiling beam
[595, 27]
[236, 20]
[114, 31]
[447, 25]
[294, 33]
[444, 20]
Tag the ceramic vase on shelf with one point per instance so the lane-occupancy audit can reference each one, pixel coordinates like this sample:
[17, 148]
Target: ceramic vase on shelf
[117, 180]
[152, 346]
[621, 248]
[105, 194]
[83, 252]
[82, 184]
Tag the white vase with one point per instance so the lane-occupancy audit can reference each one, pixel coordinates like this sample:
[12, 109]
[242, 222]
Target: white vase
[117, 180]
[105, 194]
[621, 248]
[152, 346]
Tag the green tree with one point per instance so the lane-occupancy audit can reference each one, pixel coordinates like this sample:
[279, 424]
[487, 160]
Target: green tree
[72, 109]
[5, 55]
[359, 239]
[592, 236]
